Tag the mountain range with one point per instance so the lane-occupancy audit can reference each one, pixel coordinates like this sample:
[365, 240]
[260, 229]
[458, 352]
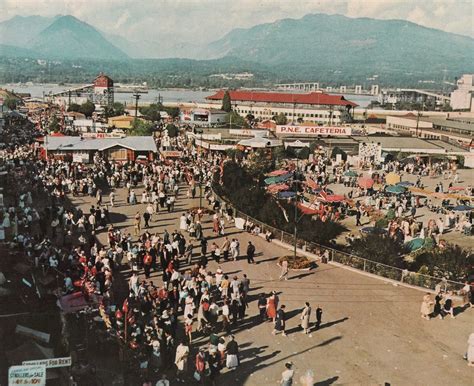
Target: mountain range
[315, 44]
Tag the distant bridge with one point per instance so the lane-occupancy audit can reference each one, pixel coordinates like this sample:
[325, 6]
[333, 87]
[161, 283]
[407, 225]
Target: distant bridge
[358, 90]
[314, 86]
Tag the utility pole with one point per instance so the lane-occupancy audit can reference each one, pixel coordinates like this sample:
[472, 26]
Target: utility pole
[417, 123]
[136, 95]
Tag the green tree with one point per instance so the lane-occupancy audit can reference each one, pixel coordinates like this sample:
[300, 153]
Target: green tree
[173, 131]
[452, 262]
[87, 108]
[280, 119]
[141, 128]
[235, 120]
[250, 117]
[74, 107]
[54, 125]
[152, 112]
[115, 110]
[226, 102]
[11, 102]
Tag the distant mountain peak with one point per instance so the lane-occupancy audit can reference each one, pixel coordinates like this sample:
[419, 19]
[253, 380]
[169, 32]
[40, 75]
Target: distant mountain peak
[69, 37]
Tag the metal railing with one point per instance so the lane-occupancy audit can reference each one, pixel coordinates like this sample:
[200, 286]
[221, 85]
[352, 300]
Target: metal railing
[350, 260]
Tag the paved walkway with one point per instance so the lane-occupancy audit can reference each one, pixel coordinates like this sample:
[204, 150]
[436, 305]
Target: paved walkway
[372, 330]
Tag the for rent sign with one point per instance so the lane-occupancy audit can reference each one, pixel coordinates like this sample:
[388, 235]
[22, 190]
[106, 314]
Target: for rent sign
[334, 131]
[51, 362]
[27, 375]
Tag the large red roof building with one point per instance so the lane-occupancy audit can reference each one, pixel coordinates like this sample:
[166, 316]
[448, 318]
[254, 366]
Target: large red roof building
[313, 98]
[314, 107]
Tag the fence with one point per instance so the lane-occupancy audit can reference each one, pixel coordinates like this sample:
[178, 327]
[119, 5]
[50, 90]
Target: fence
[353, 261]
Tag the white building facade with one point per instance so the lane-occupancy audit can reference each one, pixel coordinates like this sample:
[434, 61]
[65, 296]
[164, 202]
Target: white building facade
[461, 98]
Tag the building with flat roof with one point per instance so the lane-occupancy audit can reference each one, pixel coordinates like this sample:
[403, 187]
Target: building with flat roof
[203, 117]
[457, 131]
[314, 107]
[412, 145]
[80, 149]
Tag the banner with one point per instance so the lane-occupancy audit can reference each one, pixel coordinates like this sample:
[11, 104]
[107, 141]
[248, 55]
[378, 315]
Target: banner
[249, 132]
[27, 375]
[50, 363]
[333, 131]
[103, 135]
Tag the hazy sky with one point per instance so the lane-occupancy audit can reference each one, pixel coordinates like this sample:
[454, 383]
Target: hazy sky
[208, 20]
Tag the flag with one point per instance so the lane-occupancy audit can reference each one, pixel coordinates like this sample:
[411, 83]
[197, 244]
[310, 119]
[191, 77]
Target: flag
[284, 212]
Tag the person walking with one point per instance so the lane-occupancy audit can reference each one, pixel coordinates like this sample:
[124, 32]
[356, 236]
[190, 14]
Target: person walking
[203, 246]
[232, 350]
[136, 224]
[358, 216]
[198, 230]
[181, 360]
[200, 364]
[225, 249]
[284, 270]
[280, 321]
[305, 316]
[146, 218]
[272, 305]
[287, 375]
[319, 316]
[234, 249]
[98, 196]
[112, 199]
[470, 350]
[147, 262]
[250, 253]
[262, 307]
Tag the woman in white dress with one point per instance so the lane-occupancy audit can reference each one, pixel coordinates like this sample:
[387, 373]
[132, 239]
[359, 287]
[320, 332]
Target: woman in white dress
[470, 350]
[182, 222]
[181, 359]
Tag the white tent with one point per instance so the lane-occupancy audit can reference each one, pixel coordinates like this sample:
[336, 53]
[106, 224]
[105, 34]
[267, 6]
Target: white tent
[296, 144]
[259, 142]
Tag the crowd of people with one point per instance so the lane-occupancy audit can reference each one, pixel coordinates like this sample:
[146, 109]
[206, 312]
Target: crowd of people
[180, 316]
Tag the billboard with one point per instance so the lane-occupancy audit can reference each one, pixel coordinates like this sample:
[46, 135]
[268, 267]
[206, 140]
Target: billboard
[302, 130]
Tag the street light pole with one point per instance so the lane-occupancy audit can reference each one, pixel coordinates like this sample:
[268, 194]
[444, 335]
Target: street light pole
[296, 207]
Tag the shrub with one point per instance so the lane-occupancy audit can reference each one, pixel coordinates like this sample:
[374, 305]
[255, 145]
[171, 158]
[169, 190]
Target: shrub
[380, 248]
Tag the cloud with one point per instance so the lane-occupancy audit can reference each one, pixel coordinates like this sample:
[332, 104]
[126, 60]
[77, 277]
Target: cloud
[201, 21]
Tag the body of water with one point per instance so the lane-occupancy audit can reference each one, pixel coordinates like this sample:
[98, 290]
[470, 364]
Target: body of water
[167, 95]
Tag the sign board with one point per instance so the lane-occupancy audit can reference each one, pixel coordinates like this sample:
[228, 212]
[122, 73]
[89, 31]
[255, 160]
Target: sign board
[50, 363]
[249, 132]
[103, 135]
[370, 152]
[27, 375]
[171, 153]
[213, 146]
[80, 157]
[333, 131]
